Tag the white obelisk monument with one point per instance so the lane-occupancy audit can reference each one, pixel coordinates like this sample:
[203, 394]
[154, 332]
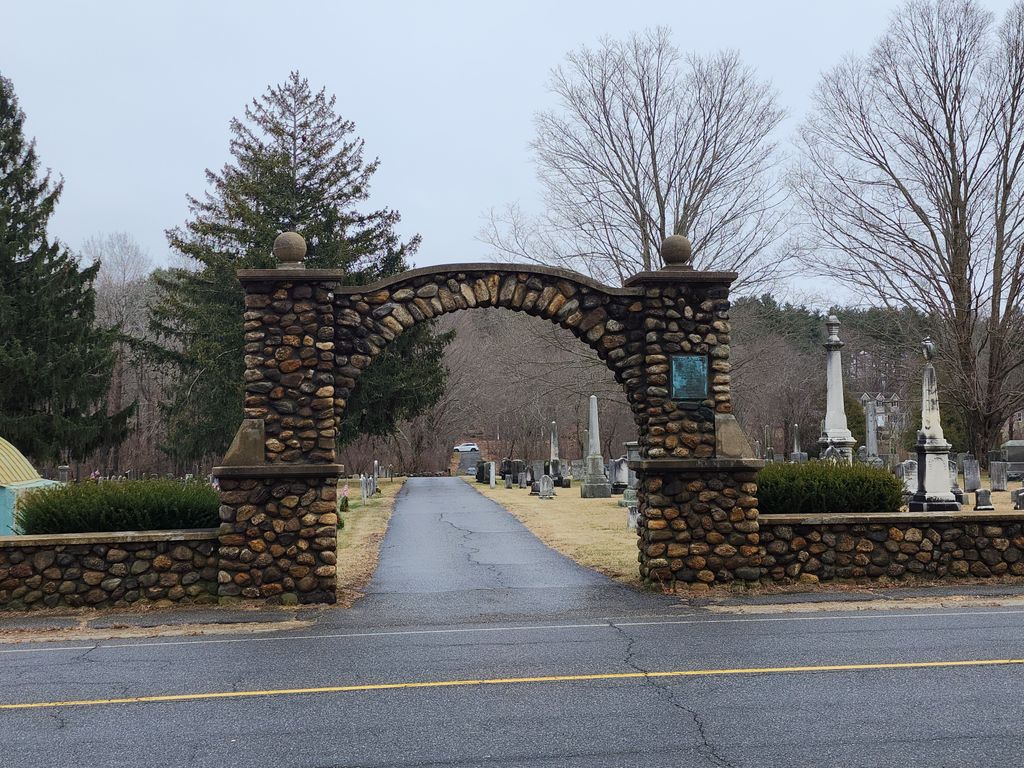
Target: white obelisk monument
[595, 484]
[836, 433]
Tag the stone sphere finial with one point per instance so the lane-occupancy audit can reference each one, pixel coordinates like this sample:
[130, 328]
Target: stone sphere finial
[289, 249]
[676, 251]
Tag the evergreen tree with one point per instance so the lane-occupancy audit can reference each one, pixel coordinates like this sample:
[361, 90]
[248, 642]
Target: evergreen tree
[296, 165]
[55, 364]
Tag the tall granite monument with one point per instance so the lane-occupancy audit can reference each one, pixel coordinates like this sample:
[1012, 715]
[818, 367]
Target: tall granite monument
[933, 491]
[836, 433]
[595, 485]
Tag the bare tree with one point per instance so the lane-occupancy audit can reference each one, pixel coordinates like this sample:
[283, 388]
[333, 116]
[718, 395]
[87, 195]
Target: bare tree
[912, 186]
[123, 291]
[647, 143]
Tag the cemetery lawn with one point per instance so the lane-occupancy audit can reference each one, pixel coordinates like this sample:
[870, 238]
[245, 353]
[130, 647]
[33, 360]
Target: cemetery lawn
[359, 541]
[592, 532]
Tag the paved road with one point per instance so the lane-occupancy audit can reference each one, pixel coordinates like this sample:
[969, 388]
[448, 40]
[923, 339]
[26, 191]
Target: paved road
[463, 594]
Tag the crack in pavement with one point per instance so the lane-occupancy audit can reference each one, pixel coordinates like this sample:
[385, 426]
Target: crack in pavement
[59, 717]
[664, 690]
[466, 533]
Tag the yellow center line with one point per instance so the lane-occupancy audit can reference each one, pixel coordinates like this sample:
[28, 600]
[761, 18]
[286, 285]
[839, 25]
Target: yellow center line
[512, 681]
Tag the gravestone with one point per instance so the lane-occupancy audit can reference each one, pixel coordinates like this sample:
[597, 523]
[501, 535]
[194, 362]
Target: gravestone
[595, 485]
[632, 454]
[954, 482]
[535, 488]
[547, 487]
[997, 475]
[508, 481]
[554, 463]
[972, 474]
[871, 430]
[628, 498]
[632, 514]
[909, 475]
[522, 480]
[537, 468]
[491, 474]
[835, 433]
[983, 500]
[618, 475]
[1018, 498]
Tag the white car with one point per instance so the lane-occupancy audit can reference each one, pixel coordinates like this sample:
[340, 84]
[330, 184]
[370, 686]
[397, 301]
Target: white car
[466, 447]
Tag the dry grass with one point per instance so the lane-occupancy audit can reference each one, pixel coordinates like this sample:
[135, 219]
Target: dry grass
[592, 532]
[359, 541]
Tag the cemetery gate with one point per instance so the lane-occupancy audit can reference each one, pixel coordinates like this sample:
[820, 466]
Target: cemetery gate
[309, 337]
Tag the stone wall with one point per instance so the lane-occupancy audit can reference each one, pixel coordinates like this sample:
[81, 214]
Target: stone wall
[107, 569]
[278, 537]
[875, 546]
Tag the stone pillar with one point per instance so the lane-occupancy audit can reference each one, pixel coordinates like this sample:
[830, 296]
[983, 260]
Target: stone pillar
[871, 428]
[278, 481]
[933, 491]
[595, 484]
[836, 433]
[696, 493]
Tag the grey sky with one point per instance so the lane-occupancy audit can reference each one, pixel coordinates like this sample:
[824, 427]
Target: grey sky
[130, 101]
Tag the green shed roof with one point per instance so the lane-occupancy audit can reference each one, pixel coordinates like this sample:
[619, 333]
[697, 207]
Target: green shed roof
[14, 467]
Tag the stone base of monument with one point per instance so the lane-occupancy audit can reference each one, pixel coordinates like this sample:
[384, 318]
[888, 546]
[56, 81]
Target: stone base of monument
[596, 488]
[594, 484]
[926, 503]
[933, 493]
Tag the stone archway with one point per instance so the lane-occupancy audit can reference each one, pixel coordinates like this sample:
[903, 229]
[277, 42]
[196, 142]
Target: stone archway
[309, 337]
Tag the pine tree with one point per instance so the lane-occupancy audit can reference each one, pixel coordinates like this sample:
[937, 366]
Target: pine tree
[295, 165]
[55, 364]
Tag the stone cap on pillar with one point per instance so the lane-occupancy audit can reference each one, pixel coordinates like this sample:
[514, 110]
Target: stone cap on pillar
[696, 465]
[273, 471]
[677, 255]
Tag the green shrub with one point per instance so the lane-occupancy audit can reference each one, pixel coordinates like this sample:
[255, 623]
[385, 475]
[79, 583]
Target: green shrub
[131, 505]
[821, 488]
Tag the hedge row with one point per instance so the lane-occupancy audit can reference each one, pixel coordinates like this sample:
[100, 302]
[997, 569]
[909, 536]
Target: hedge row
[131, 505]
[820, 488]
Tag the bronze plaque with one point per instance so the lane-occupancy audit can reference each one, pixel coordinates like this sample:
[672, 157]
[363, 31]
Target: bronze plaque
[689, 377]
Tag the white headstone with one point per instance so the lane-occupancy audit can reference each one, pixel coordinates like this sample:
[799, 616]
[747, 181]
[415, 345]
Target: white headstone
[491, 472]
